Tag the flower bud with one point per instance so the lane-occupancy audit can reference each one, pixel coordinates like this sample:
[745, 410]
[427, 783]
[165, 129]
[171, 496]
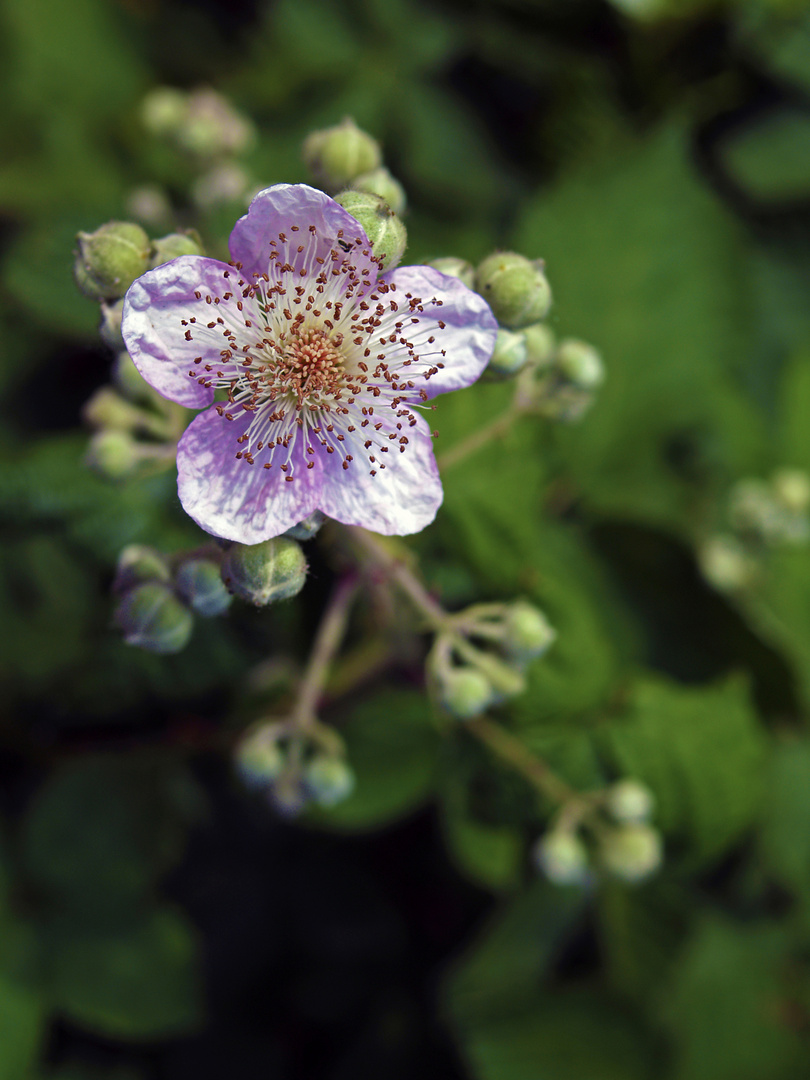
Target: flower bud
[457, 268]
[132, 384]
[562, 857]
[211, 126]
[150, 205]
[259, 758]
[515, 288]
[106, 409]
[308, 528]
[792, 489]
[163, 110]
[726, 564]
[539, 344]
[151, 617]
[200, 584]
[110, 325]
[631, 852]
[528, 632]
[328, 779]
[381, 182]
[629, 801]
[113, 454]
[580, 364]
[264, 573]
[338, 155]
[138, 563]
[226, 182]
[386, 233]
[172, 246]
[509, 356]
[110, 259]
[464, 692]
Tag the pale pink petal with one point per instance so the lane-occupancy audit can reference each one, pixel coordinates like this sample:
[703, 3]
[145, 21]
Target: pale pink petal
[230, 498]
[402, 498]
[159, 335]
[289, 210]
[467, 337]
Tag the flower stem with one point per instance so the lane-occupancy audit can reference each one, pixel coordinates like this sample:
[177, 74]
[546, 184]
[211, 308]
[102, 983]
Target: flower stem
[512, 750]
[327, 642]
[495, 430]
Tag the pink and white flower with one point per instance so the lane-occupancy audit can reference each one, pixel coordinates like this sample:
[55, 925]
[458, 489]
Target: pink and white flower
[322, 366]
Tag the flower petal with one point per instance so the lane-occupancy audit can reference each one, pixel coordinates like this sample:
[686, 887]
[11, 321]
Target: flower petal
[230, 498]
[401, 498]
[276, 210]
[468, 336]
[156, 330]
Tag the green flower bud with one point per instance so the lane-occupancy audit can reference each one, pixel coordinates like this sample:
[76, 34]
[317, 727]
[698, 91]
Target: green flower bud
[631, 852]
[503, 678]
[163, 110]
[515, 288]
[151, 617]
[528, 632]
[562, 857]
[226, 182]
[132, 384]
[726, 564]
[539, 344]
[138, 563]
[308, 528]
[457, 268]
[259, 759]
[150, 205]
[172, 246]
[336, 156]
[509, 356]
[110, 325]
[212, 127]
[110, 259]
[200, 584]
[580, 364]
[792, 489]
[464, 692]
[264, 573]
[629, 801]
[328, 779]
[108, 410]
[386, 233]
[113, 454]
[381, 182]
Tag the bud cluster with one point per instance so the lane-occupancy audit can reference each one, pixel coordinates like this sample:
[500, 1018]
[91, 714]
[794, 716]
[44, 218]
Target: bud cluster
[293, 767]
[347, 163]
[760, 515]
[608, 831]
[468, 678]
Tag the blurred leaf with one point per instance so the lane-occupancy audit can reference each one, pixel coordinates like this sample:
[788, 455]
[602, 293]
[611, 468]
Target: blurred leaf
[780, 42]
[391, 744]
[770, 157]
[136, 983]
[726, 1007]
[700, 751]
[491, 855]
[785, 833]
[22, 1029]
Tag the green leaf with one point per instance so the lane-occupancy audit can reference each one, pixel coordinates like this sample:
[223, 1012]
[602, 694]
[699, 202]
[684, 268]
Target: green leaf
[491, 855]
[22, 1029]
[770, 157]
[724, 1006]
[140, 982]
[785, 833]
[700, 751]
[391, 745]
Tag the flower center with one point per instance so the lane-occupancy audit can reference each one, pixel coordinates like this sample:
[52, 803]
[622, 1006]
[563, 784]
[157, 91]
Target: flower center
[310, 366]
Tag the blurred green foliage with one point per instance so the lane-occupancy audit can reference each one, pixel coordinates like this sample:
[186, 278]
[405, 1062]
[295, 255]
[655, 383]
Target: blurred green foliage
[155, 919]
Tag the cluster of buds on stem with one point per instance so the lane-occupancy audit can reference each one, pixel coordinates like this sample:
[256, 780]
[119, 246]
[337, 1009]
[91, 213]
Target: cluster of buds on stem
[760, 515]
[606, 831]
[294, 763]
[479, 658]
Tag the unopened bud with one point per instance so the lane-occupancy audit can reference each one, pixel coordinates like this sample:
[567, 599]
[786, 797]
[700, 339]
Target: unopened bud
[150, 205]
[163, 110]
[631, 852]
[259, 759]
[110, 259]
[108, 410]
[539, 344]
[200, 584]
[114, 454]
[580, 364]
[464, 692]
[457, 268]
[151, 617]
[528, 632]
[509, 356]
[110, 325]
[338, 155]
[211, 126]
[138, 563]
[381, 182]
[386, 233]
[226, 182]
[515, 288]
[264, 573]
[328, 779]
[132, 384]
[629, 801]
[172, 246]
[792, 489]
[308, 528]
[562, 857]
[726, 564]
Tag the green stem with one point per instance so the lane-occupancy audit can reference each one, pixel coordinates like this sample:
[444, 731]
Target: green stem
[477, 439]
[512, 751]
